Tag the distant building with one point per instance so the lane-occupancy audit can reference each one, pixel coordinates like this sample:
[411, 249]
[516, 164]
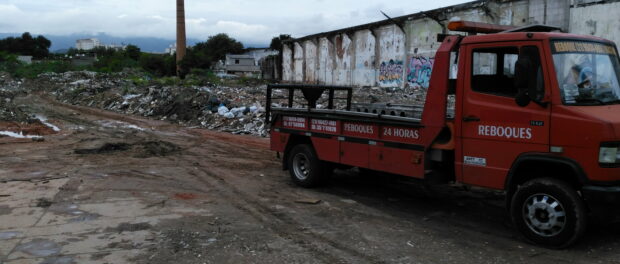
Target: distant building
[172, 49]
[115, 46]
[92, 43]
[242, 65]
[87, 44]
[260, 53]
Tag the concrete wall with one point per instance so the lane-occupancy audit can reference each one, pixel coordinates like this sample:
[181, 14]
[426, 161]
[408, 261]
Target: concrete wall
[388, 55]
[598, 18]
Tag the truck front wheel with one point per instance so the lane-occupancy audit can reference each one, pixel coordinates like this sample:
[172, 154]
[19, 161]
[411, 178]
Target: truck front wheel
[548, 212]
[304, 166]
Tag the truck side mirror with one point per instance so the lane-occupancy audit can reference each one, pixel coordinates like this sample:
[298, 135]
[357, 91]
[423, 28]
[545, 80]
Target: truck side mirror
[529, 79]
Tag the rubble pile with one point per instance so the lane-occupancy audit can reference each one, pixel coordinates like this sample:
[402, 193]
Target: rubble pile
[231, 109]
[238, 110]
[9, 89]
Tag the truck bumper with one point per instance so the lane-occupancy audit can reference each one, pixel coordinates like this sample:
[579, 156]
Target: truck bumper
[603, 202]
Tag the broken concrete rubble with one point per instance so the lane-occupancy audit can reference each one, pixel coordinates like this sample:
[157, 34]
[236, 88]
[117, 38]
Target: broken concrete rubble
[191, 106]
[238, 110]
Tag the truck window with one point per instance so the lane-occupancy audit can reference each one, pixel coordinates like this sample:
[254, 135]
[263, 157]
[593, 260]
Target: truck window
[493, 71]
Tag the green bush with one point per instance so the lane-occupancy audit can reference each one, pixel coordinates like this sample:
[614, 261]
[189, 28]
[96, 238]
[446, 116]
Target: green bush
[30, 71]
[158, 65]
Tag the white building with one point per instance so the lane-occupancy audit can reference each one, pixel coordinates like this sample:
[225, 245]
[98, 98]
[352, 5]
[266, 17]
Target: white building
[171, 49]
[260, 53]
[87, 44]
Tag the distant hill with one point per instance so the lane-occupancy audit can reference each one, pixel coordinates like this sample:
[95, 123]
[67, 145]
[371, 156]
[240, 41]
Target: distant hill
[62, 43]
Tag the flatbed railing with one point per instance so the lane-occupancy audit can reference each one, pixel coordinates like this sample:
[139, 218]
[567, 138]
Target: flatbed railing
[311, 93]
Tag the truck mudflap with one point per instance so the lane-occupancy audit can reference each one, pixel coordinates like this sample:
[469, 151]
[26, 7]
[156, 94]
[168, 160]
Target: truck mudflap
[603, 202]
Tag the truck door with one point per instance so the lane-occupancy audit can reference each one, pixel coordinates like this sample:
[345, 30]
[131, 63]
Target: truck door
[494, 129]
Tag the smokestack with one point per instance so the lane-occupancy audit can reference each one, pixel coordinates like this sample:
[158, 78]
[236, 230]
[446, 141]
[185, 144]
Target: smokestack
[181, 41]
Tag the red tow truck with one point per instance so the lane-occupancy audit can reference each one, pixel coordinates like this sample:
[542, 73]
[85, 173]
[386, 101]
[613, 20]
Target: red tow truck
[536, 114]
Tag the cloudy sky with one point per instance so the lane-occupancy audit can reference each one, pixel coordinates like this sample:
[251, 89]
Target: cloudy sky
[254, 21]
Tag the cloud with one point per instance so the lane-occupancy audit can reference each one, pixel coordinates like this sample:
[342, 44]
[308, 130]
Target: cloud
[246, 20]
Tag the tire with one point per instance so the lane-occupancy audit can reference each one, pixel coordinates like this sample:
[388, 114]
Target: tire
[305, 168]
[548, 212]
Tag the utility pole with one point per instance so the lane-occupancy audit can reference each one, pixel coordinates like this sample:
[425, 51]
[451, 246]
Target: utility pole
[181, 41]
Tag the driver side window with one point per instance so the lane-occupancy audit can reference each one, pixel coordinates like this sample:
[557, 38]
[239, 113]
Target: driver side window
[494, 71]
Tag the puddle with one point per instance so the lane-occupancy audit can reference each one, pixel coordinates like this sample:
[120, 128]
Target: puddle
[40, 248]
[9, 235]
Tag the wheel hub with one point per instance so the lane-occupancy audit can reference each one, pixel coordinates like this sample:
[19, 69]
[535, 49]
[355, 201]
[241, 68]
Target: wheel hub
[544, 215]
[301, 166]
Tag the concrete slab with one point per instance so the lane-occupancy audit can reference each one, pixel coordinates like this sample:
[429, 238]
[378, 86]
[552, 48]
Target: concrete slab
[63, 245]
[21, 217]
[97, 225]
[6, 246]
[24, 194]
[104, 257]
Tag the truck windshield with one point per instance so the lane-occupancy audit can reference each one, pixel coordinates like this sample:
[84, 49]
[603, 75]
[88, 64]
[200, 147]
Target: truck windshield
[587, 72]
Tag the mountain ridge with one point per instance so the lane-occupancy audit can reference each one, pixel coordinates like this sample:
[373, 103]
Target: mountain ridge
[146, 44]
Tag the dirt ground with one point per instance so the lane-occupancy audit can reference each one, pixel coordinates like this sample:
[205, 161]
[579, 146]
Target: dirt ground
[109, 188]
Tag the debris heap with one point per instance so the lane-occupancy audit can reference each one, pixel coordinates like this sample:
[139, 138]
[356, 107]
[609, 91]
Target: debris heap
[237, 109]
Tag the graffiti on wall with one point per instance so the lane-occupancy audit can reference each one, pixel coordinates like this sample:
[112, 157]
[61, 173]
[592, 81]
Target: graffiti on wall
[391, 72]
[419, 72]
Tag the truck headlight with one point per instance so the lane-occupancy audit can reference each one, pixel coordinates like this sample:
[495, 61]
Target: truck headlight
[608, 155]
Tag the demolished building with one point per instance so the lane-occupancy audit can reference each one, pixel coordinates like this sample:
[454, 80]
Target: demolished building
[399, 52]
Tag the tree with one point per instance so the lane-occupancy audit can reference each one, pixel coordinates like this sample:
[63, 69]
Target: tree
[42, 47]
[158, 65]
[133, 52]
[205, 54]
[27, 45]
[219, 45]
[276, 42]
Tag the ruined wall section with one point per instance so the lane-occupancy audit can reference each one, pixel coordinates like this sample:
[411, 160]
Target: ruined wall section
[311, 59]
[298, 63]
[392, 56]
[598, 19]
[388, 55]
[344, 59]
[421, 46]
[287, 63]
[326, 61]
[364, 63]
[550, 12]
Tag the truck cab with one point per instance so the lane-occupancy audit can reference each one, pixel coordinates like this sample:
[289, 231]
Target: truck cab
[536, 113]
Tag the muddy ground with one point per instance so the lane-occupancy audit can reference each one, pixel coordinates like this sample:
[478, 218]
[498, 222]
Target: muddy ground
[112, 188]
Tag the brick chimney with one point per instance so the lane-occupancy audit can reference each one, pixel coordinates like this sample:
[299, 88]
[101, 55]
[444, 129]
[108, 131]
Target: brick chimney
[181, 41]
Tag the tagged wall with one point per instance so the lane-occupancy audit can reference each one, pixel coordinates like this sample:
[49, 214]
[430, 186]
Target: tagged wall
[400, 52]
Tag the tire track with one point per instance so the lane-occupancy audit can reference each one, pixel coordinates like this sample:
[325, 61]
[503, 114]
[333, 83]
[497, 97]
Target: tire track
[286, 227]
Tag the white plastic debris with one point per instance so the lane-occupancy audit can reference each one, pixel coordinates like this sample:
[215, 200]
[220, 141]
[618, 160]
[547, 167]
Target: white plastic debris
[44, 121]
[222, 110]
[17, 135]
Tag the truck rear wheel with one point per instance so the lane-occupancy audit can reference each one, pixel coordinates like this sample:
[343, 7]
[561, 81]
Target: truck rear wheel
[548, 212]
[305, 167]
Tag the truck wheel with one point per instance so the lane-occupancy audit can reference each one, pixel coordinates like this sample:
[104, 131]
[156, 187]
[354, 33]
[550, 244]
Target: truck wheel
[304, 166]
[548, 212]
